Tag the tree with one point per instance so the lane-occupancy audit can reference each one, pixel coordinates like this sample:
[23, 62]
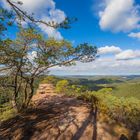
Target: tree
[30, 55]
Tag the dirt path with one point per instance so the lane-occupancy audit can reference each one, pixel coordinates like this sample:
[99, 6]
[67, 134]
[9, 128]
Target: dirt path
[55, 117]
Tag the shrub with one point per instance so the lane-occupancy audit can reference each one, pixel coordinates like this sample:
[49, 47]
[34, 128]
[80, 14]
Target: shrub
[62, 86]
[50, 80]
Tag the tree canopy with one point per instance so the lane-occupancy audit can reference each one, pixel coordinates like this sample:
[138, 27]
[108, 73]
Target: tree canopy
[31, 54]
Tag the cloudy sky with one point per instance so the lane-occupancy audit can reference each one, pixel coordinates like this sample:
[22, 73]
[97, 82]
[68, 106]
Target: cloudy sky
[112, 25]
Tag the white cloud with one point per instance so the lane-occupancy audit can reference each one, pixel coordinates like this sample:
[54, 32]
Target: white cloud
[43, 10]
[119, 15]
[109, 49]
[122, 62]
[51, 32]
[37, 6]
[57, 16]
[31, 56]
[134, 35]
[128, 54]
[102, 66]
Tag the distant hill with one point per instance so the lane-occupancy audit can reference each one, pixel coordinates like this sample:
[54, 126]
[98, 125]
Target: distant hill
[123, 86]
[95, 77]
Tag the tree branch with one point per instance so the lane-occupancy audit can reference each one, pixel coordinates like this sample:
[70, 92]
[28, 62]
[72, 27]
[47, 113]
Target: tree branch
[23, 14]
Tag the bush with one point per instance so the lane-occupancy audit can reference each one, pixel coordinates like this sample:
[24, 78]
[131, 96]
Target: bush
[50, 80]
[123, 110]
[62, 87]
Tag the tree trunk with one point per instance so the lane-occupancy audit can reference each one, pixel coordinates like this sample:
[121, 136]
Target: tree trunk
[95, 123]
[14, 105]
[28, 100]
[134, 135]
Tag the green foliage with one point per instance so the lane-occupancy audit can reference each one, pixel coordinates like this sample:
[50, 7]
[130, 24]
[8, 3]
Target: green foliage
[6, 20]
[30, 55]
[76, 90]
[62, 87]
[6, 112]
[5, 89]
[25, 58]
[50, 80]
[3, 98]
[105, 90]
[48, 52]
[123, 110]
[121, 87]
[127, 89]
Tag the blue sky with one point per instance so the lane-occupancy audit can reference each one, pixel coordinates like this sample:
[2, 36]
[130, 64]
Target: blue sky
[112, 25]
[87, 27]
